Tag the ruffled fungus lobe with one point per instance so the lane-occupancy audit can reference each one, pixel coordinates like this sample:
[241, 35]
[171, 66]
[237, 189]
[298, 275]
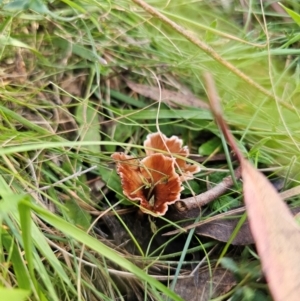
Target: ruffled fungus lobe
[152, 181]
[173, 146]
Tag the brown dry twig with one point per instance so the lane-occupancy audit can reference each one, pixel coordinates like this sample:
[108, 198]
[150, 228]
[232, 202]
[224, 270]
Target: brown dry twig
[208, 196]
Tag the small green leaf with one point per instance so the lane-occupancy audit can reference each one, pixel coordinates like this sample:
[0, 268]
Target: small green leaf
[210, 146]
[229, 264]
[113, 182]
[224, 203]
[209, 35]
[17, 5]
[111, 178]
[39, 7]
[194, 186]
[78, 216]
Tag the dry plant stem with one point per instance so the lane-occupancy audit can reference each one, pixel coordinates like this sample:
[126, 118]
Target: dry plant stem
[207, 49]
[218, 114]
[208, 196]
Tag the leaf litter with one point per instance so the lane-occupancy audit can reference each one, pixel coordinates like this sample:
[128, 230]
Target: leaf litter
[170, 97]
[220, 226]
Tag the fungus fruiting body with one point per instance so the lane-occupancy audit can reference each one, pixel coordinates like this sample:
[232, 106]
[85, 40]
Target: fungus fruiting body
[173, 146]
[153, 181]
[156, 180]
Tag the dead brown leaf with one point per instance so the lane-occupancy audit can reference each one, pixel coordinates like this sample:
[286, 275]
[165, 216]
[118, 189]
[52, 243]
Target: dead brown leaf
[203, 287]
[221, 227]
[276, 234]
[168, 96]
[275, 231]
[72, 84]
[13, 71]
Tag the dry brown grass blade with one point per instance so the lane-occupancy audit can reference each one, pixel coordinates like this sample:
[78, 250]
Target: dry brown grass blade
[168, 96]
[275, 232]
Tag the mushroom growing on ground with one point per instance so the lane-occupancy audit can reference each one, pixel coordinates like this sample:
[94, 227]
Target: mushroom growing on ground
[152, 181]
[156, 180]
[159, 142]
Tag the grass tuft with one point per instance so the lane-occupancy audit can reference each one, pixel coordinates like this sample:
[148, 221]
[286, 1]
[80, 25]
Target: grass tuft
[67, 232]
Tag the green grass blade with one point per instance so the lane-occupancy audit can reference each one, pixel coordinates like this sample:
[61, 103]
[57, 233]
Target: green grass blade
[19, 267]
[14, 294]
[99, 247]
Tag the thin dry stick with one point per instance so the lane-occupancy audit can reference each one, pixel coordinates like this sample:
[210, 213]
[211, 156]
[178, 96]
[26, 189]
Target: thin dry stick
[206, 197]
[284, 195]
[218, 190]
[208, 50]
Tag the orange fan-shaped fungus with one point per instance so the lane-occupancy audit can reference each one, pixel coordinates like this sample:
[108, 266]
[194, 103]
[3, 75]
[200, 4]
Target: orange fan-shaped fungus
[157, 141]
[152, 181]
